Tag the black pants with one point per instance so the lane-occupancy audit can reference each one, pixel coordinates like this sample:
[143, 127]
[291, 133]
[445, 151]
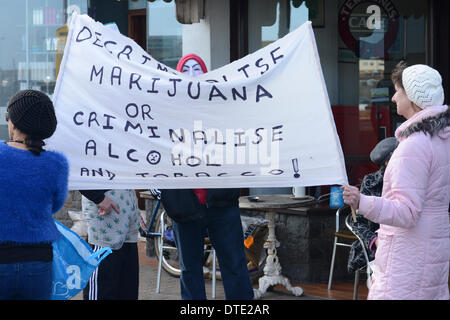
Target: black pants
[117, 276]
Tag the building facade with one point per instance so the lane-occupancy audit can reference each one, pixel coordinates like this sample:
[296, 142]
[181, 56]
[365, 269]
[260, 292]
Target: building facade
[359, 43]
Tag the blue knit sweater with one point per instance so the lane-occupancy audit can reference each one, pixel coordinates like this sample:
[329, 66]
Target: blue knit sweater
[32, 188]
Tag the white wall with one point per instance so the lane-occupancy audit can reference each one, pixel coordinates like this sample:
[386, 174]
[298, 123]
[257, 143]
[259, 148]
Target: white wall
[210, 38]
[196, 39]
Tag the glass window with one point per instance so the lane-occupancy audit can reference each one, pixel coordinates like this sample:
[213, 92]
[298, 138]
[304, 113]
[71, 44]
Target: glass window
[32, 38]
[271, 20]
[374, 37]
[164, 33]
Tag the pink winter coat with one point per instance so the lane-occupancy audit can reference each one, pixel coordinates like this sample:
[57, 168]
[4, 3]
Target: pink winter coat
[412, 258]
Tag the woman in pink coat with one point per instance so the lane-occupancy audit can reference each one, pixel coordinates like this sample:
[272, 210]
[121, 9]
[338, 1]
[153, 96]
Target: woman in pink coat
[413, 249]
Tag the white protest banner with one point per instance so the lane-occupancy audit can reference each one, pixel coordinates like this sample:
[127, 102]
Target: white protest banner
[127, 121]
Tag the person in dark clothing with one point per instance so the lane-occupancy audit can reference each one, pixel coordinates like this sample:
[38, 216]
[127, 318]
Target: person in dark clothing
[371, 185]
[212, 212]
[112, 217]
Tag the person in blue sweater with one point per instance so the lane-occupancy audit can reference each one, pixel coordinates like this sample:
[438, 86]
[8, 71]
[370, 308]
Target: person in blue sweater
[33, 186]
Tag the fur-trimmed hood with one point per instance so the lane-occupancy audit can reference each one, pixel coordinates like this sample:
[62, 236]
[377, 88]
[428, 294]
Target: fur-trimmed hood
[432, 120]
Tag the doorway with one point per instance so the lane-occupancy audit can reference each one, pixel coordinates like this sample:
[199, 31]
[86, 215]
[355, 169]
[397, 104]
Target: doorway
[137, 27]
[373, 38]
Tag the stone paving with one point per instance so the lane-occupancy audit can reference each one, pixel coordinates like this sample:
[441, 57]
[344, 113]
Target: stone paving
[170, 287]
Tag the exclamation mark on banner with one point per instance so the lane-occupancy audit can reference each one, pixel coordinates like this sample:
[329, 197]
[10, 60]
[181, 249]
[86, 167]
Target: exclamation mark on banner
[296, 170]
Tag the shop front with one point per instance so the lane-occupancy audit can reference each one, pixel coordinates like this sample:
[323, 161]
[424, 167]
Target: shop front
[359, 43]
[373, 37]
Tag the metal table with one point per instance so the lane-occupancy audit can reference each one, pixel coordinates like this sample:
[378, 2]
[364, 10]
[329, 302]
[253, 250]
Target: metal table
[272, 270]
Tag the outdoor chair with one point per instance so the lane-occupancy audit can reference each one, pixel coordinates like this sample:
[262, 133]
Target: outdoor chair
[366, 256]
[340, 234]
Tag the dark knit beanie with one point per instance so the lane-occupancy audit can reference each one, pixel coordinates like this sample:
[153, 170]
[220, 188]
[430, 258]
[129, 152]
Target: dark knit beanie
[32, 112]
[383, 150]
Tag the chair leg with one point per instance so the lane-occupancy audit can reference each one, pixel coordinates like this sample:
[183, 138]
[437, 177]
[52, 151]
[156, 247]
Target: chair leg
[330, 279]
[356, 284]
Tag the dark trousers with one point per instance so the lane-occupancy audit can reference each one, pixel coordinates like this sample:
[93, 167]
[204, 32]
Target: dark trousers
[224, 228]
[26, 281]
[117, 276]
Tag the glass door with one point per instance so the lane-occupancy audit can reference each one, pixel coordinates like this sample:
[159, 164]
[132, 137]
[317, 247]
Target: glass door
[374, 37]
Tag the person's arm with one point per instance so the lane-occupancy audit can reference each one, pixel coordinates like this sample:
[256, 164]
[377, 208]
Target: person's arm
[104, 203]
[402, 205]
[96, 196]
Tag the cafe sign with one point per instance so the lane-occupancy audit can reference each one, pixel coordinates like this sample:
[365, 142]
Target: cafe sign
[366, 17]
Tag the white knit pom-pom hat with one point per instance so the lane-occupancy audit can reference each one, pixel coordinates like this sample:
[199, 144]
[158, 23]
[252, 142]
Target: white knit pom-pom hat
[423, 85]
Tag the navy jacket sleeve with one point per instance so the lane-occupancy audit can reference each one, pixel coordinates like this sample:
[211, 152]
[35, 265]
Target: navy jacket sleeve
[95, 196]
